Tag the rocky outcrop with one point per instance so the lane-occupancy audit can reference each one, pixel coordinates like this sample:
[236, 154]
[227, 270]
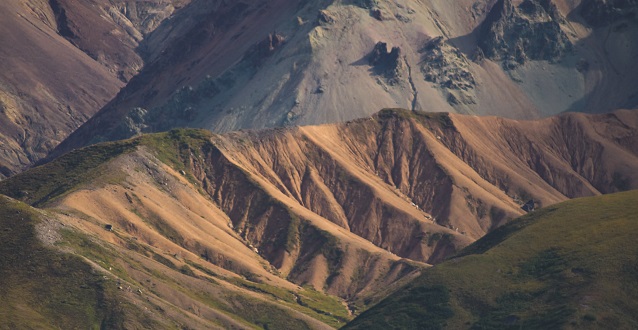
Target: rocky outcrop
[600, 13]
[324, 17]
[146, 16]
[267, 47]
[61, 20]
[47, 87]
[120, 27]
[445, 66]
[530, 31]
[366, 4]
[377, 14]
[387, 63]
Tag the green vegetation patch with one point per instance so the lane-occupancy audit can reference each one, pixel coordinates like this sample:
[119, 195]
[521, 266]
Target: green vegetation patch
[265, 315]
[273, 291]
[292, 235]
[175, 146]
[161, 226]
[332, 251]
[201, 268]
[43, 183]
[539, 299]
[252, 311]
[46, 289]
[570, 265]
[309, 301]
[500, 234]
[164, 261]
[83, 166]
[321, 241]
[417, 307]
[438, 119]
[325, 305]
[85, 246]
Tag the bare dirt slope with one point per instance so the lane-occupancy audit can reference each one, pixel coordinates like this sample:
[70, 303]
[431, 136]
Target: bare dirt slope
[351, 210]
[452, 167]
[61, 61]
[47, 87]
[252, 64]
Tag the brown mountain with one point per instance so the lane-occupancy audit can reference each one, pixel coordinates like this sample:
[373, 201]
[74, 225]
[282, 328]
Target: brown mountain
[61, 61]
[251, 64]
[351, 210]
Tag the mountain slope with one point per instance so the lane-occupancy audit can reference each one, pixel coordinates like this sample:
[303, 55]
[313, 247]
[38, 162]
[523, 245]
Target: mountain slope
[57, 273]
[47, 87]
[571, 265]
[110, 32]
[61, 62]
[232, 65]
[63, 290]
[335, 207]
[310, 225]
[466, 173]
[172, 241]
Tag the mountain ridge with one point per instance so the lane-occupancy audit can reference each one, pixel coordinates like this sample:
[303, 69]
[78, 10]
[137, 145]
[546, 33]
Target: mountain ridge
[338, 215]
[360, 151]
[328, 65]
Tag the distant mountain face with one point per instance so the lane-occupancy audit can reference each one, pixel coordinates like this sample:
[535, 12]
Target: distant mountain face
[61, 61]
[111, 31]
[351, 210]
[572, 265]
[251, 64]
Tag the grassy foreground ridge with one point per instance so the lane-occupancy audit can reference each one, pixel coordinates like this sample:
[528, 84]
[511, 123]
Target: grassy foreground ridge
[571, 265]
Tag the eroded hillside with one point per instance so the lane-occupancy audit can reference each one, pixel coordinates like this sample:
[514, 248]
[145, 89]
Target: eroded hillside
[286, 216]
[224, 66]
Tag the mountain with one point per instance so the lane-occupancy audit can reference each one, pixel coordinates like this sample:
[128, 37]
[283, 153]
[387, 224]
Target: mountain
[305, 227]
[224, 66]
[62, 61]
[570, 265]
[60, 271]
[45, 288]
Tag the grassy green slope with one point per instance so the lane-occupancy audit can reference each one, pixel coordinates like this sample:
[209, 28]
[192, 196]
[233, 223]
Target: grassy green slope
[46, 182]
[571, 265]
[43, 288]
[80, 167]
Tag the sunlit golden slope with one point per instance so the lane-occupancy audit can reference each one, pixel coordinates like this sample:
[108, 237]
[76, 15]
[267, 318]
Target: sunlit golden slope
[350, 210]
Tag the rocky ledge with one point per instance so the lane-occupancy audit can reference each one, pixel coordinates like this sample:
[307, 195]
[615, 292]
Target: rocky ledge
[447, 67]
[530, 31]
[387, 63]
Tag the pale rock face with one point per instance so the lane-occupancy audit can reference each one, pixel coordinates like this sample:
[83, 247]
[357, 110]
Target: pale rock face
[518, 59]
